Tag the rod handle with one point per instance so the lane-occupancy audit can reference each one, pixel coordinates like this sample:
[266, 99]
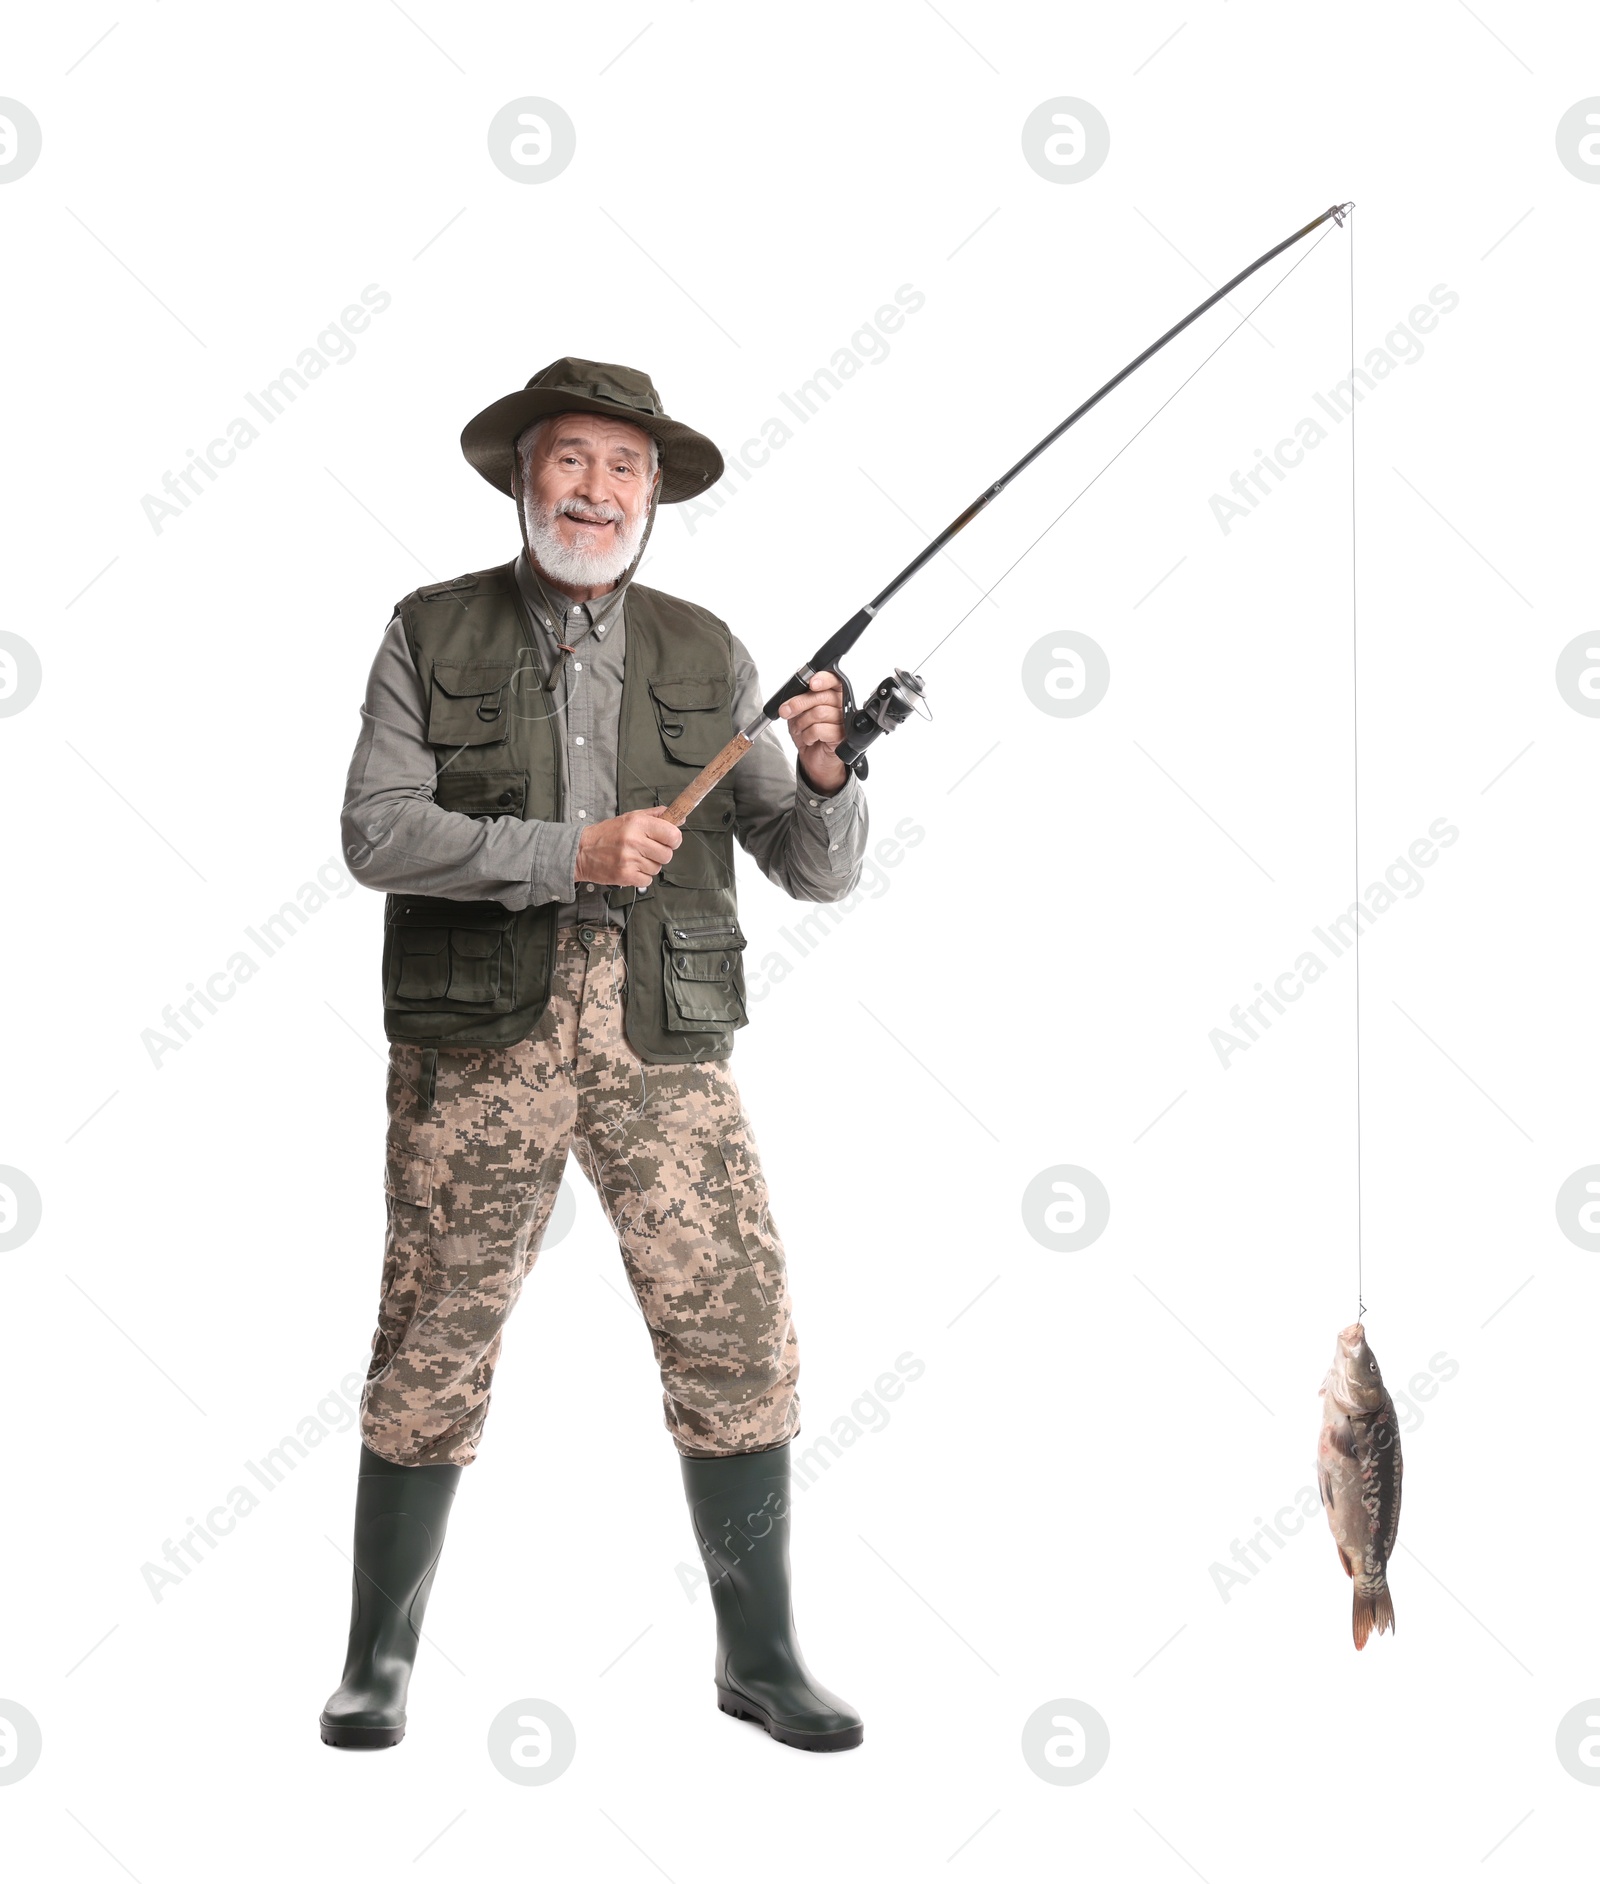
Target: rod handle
[706, 780]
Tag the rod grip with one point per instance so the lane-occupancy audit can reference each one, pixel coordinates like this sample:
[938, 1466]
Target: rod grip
[706, 780]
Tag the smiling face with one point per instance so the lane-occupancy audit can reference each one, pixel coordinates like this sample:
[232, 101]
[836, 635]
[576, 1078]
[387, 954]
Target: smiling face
[586, 485]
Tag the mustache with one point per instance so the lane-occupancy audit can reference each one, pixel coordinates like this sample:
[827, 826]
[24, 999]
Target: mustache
[587, 513]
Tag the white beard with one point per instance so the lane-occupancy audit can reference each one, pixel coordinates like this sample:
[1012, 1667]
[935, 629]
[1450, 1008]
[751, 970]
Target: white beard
[581, 565]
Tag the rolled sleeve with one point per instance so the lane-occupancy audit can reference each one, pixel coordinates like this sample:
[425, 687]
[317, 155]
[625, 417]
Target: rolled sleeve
[810, 843]
[396, 838]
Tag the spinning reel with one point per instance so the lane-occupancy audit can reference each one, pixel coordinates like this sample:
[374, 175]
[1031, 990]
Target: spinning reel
[891, 703]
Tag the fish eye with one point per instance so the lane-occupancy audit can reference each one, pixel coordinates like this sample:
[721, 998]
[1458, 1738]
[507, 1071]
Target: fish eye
[1372, 1367]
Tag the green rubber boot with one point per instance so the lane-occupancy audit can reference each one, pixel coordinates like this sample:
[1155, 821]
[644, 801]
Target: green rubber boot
[739, 1507]
[401, 1513]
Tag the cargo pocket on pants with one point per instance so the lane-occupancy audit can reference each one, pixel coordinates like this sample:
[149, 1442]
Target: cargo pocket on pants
[408, 1239]
[758, 1240]
[407, 1174]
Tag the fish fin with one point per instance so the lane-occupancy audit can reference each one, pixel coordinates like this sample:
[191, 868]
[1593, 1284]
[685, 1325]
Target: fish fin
[1349, 1572]
[1374, 1610]
[1325, 1486]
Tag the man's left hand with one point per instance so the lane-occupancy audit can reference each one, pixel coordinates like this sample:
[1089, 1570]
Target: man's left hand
[816, 725]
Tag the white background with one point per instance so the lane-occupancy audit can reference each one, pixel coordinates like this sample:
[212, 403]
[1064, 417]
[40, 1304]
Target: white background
[1032, 986]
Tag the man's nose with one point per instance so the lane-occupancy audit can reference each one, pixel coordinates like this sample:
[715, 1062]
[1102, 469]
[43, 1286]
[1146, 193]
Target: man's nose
[595, 488]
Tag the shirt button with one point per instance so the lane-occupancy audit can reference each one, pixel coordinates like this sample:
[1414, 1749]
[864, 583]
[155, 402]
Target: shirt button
[833, 847]
[811, 801]
[583, 814]
[578, 740]
[577, 667]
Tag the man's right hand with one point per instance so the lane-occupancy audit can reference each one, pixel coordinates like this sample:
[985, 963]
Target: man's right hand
[628, 850]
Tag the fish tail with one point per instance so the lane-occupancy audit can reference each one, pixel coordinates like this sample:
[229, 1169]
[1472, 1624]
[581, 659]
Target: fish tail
[1374, 1611]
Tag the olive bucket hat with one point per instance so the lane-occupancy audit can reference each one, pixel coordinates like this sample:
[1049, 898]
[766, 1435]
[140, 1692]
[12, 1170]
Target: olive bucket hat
[690, 463]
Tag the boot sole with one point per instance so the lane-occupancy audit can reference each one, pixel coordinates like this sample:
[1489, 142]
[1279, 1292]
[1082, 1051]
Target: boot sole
[836, 1742]
[361, 1738]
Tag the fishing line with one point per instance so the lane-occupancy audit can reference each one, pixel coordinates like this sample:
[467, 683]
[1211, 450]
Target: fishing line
[1355, 768]
[1122, 448]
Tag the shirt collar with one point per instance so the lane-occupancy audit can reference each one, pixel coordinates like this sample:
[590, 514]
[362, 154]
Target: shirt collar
[549, 606]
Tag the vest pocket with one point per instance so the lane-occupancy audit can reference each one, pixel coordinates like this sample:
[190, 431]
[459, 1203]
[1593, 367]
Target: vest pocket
[422, 963]
[481, 794]
[702, 974]
[468, 704]
[475, 966]
[704, 860]
[449, 957]
[692, 717]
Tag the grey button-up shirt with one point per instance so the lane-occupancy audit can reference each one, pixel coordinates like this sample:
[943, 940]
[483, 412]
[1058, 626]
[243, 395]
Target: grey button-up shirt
[396, 838]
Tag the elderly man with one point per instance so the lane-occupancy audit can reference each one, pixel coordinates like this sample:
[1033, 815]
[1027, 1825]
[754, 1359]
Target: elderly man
[562, 970]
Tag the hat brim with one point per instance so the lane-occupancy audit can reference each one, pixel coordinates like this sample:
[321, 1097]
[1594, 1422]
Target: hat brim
[690, 463]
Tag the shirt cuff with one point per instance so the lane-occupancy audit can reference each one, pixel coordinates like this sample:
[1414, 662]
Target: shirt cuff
[832, 819]
[553, 864]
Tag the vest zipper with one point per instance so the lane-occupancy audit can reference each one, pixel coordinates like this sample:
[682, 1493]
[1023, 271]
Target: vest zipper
[712, 928]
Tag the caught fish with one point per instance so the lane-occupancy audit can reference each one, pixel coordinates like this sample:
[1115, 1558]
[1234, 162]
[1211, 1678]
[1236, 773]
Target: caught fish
[1358, 1470]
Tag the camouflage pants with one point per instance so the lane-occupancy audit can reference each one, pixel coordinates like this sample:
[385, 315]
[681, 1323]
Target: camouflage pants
[471, 1182]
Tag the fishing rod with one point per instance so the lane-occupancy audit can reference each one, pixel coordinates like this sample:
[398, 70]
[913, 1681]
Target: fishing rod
[895, 699]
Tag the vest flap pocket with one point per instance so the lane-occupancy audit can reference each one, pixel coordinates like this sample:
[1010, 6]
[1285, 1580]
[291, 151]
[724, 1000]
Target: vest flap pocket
[464, 678]
[713, 813]
[469, 702]
[704, 860]
[692, 716]
[448, 956]
[481, 794]
[703, 977]
[475, 965]
[690, 693]
[422, 963]
[702, 964]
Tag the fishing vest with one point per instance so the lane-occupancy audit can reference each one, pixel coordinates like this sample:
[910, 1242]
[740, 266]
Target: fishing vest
[460, 974]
